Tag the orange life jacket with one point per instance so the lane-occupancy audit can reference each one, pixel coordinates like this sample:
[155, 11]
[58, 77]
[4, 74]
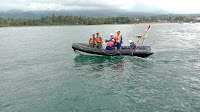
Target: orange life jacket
[118, 38]
[98, 39]
[92, 40]
[110, 44]
[131, 45]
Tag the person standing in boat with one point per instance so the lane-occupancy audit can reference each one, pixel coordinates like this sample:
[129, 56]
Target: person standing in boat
[111, 45]
[118, 39]
[92, 41]
[99, 41]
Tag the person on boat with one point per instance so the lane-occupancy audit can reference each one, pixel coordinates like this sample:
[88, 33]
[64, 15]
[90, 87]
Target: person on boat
[98, 41]
[111, 45]
[111, 37]
[118, 39]
[132, 44]
[92, 41]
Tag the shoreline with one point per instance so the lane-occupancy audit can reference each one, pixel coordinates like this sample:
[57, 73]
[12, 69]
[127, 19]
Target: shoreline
[93, 25]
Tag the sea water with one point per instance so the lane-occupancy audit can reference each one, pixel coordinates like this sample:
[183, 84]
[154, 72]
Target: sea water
[39, 71]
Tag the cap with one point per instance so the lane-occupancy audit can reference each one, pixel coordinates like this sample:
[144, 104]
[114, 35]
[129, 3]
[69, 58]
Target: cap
[111, 33]
[130, 41]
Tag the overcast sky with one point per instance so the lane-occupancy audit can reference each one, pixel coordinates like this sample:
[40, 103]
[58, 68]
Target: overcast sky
[171, 6]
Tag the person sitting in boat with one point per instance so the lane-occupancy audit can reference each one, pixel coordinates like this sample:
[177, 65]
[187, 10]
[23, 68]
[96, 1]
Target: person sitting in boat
[98, 41]
[92, 41]
[132, 44]
[118, 39]
[111, 45]
[111, 37]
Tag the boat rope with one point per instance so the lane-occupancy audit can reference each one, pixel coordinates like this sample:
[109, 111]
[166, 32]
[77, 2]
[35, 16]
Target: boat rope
[118, 52]
[104, 51]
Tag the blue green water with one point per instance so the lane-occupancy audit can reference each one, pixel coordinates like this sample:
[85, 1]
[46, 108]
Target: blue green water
[39, 71]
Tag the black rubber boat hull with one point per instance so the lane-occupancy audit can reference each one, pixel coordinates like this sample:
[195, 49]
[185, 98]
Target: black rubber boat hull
[140, 51]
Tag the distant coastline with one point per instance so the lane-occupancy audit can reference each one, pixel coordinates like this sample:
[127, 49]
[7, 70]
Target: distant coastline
[85, 25]
[79, 20]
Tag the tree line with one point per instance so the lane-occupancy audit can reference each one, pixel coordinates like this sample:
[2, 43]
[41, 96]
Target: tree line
[80, 20]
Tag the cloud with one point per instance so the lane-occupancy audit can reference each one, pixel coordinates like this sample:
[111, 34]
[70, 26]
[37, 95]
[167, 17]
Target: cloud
[80, 4]
[179, 6]
[65, 4]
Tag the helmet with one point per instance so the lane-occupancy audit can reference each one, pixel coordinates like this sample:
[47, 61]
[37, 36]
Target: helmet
[111, 33]
[130, 41]
[113, 39]
[118, 31]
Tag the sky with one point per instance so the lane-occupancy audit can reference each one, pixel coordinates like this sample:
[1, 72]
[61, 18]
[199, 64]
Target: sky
[170, 6]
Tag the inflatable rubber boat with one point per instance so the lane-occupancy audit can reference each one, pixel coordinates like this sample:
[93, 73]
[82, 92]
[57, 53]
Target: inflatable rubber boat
[140, 51]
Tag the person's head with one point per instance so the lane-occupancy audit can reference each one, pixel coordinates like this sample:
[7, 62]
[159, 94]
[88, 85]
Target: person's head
[111, 34]
[93, 35]
[118, 32]
[130, 41]
[97, 33]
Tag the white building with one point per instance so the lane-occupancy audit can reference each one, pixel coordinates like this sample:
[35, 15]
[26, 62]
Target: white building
[197, 19]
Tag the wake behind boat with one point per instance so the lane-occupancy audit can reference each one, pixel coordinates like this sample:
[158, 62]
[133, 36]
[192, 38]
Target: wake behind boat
[140, 51]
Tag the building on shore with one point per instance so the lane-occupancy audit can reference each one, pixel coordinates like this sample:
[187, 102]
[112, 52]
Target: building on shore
[162, 21]
[196, 19]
